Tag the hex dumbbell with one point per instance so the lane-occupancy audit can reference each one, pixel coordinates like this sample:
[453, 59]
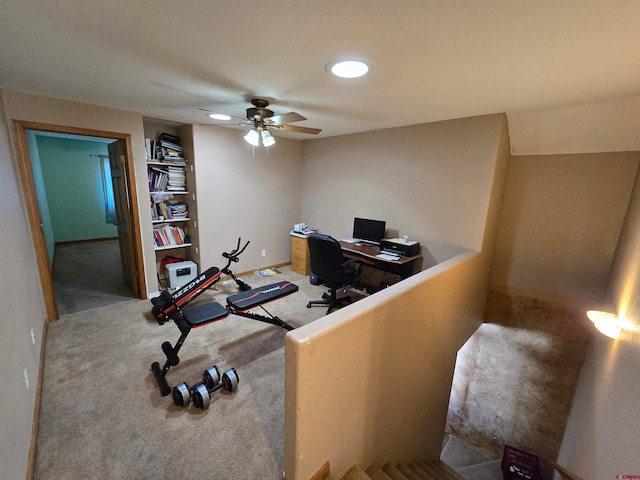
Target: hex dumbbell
[202, 391]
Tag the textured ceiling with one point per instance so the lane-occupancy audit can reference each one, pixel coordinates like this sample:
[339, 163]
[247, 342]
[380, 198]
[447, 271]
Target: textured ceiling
[430, 60]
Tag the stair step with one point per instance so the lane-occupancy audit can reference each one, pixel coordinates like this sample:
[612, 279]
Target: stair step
[356, 473]
[440, 470]
[393, 472]
[419, 472]
[376, 473]
[483, 471]
[406, 471]
[458, 454]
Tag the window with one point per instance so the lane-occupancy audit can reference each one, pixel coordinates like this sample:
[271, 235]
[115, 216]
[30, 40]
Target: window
[109, 204]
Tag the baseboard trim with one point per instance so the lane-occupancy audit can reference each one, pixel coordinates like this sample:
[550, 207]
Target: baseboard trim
[249, 272]
[86, 240]
[31, 462]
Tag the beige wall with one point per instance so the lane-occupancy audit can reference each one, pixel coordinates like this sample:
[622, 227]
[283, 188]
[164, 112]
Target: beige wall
[256, 196]
[611, 126]
[365, 382]
[561, 220]
[600, 439]
[22, 311]
[370, 382]
[53, 111]
[427, 181]
[242, 194]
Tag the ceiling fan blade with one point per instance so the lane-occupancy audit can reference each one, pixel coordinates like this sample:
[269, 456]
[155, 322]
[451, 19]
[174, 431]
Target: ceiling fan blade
[293, 128]
[285, 118]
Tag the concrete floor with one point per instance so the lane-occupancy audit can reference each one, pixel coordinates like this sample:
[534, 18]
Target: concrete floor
[515, 377]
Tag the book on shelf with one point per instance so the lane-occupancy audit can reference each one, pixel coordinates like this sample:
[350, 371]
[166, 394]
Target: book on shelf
[178, 210]
[168, 235]
[169, 138]
[158, 179]
[177, 179]
[147, 148]
[169, 210]
[170, 147]
[166, 149]
[171, 179]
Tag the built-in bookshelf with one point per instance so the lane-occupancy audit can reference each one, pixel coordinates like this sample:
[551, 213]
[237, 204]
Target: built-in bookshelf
[172, 198]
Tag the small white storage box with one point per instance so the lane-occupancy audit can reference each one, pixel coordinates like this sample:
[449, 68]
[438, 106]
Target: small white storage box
[181, 273]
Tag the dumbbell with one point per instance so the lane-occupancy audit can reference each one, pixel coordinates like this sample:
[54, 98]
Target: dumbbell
[202, 391]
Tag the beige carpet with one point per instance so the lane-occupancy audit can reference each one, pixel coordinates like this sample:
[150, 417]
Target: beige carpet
[102, 416]
[88, 275]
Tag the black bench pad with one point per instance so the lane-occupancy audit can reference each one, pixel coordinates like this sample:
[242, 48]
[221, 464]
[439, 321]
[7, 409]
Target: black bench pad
[252, 298]
[205, 313]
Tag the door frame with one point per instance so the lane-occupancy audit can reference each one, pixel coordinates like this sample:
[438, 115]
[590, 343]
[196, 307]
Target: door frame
[25, 172]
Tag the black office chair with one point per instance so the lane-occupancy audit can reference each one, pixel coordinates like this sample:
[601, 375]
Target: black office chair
[329, 265]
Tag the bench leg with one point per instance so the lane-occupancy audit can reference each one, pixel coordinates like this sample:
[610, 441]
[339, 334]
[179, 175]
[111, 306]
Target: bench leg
[171, 352]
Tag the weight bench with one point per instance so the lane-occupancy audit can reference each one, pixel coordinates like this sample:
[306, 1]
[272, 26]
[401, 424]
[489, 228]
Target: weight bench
[169, 307]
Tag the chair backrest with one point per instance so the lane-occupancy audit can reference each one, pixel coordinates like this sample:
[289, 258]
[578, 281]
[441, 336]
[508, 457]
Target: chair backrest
[326, 257]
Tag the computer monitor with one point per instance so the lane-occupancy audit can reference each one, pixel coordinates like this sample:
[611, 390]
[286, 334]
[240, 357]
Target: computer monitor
[369, 230]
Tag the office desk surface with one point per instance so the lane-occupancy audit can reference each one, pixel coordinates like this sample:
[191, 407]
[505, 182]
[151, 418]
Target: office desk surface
[366, 252]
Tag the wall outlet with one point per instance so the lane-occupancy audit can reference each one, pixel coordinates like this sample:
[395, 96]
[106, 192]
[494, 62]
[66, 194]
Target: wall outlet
[33, 337]
[264, 253]
[26, 378]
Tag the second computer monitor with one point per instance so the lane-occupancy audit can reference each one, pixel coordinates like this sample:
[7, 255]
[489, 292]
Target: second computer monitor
[369, 230]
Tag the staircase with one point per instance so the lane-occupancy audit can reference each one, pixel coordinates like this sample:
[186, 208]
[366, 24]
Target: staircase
[433, 470]
[457, 461]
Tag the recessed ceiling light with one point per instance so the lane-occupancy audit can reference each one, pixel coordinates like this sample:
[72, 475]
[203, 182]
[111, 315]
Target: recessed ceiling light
[348, 68]
[219, 116]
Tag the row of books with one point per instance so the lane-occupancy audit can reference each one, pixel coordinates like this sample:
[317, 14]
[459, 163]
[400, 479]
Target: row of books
[166, 149]
[177, 210]
[168, 235]
[169, 179]
[173, 210]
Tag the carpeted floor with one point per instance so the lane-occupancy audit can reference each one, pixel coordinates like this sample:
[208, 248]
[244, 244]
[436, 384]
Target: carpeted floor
[88, 275]
[102, 416]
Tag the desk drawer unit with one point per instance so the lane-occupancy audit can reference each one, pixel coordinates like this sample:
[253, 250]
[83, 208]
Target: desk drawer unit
[300, 256]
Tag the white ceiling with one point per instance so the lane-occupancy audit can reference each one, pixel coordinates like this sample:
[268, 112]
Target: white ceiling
[430, 60]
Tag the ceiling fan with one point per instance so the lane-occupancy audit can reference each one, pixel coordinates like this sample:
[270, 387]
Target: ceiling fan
[260, 119]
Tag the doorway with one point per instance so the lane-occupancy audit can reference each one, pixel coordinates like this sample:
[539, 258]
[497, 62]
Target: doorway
[125, 237]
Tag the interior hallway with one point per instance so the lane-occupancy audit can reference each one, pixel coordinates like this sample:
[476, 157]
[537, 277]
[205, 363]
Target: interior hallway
[88, 275]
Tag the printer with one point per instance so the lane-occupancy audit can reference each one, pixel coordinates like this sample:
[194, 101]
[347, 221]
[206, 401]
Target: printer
[401, 246]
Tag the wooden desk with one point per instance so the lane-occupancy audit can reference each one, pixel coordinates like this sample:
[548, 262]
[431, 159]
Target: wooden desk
[300, 262]
[366, 254]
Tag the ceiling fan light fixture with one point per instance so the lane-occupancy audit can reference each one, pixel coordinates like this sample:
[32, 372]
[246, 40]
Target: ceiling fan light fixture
[267, 138]
[349, 68]
[252, 138]
[218, 116]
